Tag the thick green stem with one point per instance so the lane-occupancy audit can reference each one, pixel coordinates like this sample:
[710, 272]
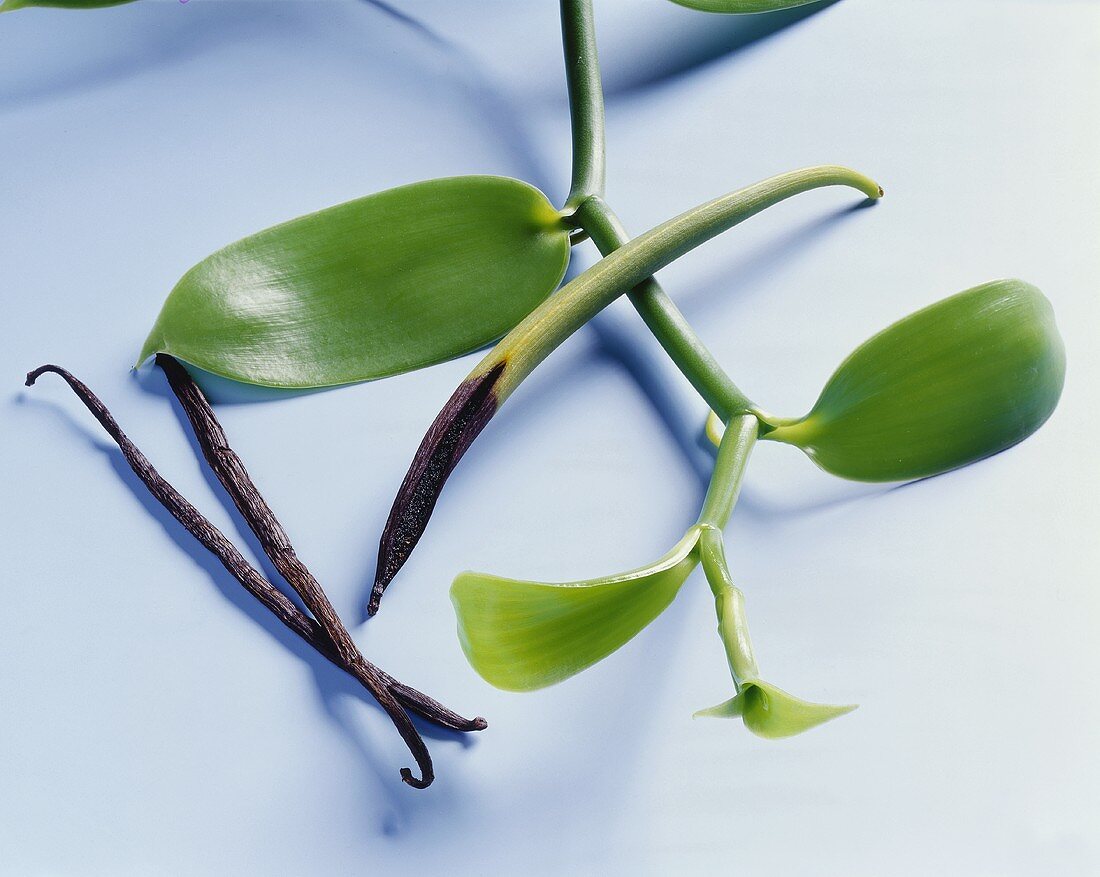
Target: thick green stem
[594, 217]
[729, 603]
[577, 302]
[766, 710]
[729, 470]
[582, 74]
[664, 319]
[589, 213]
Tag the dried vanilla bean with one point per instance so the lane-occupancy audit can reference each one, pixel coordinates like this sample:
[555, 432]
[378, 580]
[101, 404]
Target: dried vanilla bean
[234, 477]
[390, 694]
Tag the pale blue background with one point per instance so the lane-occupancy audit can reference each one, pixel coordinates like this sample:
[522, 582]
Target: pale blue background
[154, 720]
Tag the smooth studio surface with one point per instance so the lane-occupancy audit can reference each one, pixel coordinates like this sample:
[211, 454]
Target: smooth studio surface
[155, 720]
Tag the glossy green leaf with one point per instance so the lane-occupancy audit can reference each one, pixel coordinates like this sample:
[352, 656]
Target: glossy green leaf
[740, 7]
[526, 635]
[11, 5]
[387, 283]
[769, 712]
[951, 384]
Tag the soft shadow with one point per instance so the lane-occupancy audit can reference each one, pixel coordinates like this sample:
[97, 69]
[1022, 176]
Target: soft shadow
[411, 22]
[704, 38]
[755, 503]
[641, 357]
[177, 37]
[492, 99]
[734, 278]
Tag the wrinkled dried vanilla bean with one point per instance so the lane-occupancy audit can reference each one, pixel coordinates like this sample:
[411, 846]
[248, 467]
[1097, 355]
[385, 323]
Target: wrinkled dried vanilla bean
[234, 477]
[389, 693]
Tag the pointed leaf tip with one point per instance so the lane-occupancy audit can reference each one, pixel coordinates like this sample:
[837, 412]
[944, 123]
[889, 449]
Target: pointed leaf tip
[772, 713]
[521, 635]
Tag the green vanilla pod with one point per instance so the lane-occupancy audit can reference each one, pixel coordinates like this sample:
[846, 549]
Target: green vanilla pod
[397, 280]
[479, 396]
[951, 384]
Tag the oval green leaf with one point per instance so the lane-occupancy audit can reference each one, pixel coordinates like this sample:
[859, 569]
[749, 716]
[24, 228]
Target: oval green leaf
[953, 383]
[740, 7]
[521, 636]
[384, 284]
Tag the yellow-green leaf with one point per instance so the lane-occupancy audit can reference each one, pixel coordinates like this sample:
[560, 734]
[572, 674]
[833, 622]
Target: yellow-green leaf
[384, 284]
[526, 635]
[951, 384]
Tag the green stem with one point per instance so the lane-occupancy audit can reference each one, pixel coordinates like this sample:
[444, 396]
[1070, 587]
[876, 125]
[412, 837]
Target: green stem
[729, 603]
[589, 213]
[594, 217]
[729, 470]
[578, 301]
[582, 74]
[664, 319]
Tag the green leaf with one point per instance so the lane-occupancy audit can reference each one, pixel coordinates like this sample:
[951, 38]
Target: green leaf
[951, 384]
[770, 712]
[526, 635]
[11, 5]
[740, 7]
[384, 284]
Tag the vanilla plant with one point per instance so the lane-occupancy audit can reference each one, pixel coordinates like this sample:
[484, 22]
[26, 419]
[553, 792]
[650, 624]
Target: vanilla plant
[417, 275]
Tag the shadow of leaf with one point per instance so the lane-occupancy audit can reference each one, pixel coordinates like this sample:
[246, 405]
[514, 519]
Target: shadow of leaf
[701, 39]
[143, 38]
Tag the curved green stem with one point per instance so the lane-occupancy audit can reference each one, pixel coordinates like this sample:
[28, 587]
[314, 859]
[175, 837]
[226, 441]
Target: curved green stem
[725, 486]
[532, 340]
[664, 319]
[582, 74]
